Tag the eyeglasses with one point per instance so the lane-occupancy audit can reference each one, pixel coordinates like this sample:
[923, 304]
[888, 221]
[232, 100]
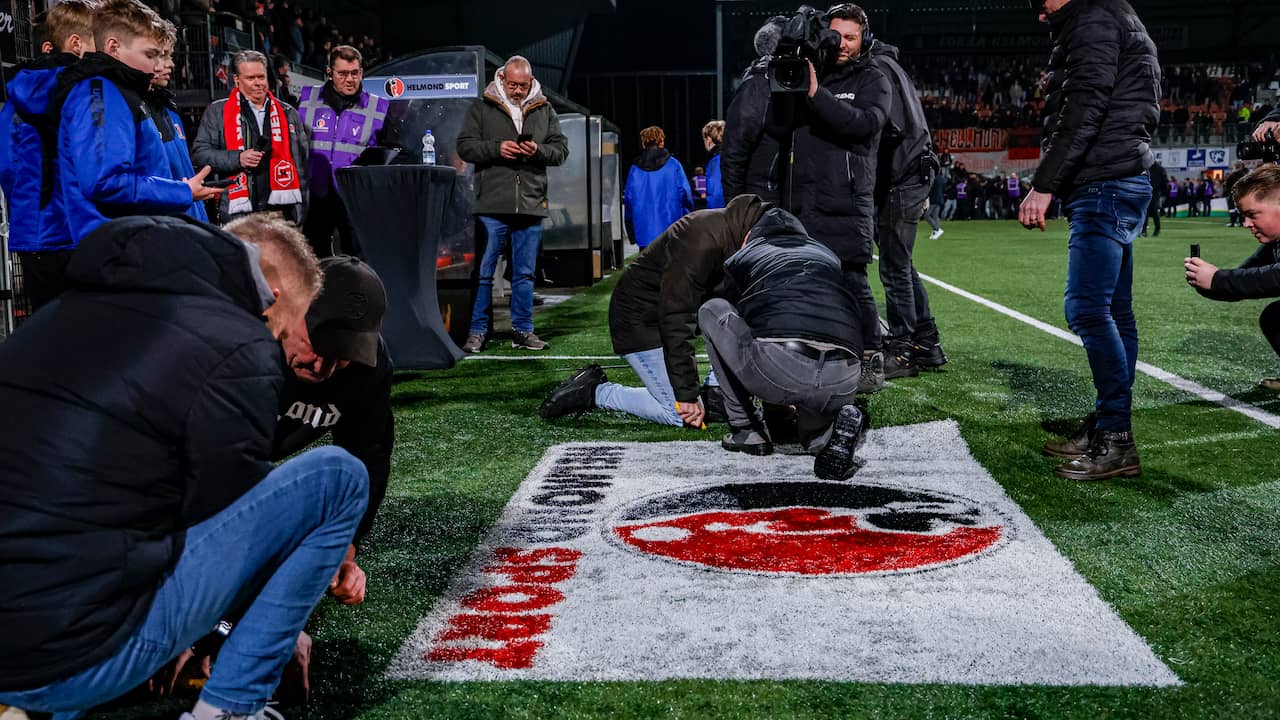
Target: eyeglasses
[517, 85]
[345, 74]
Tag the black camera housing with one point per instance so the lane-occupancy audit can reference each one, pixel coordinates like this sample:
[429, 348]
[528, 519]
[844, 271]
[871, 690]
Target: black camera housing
[1267, 151]
[805, 39]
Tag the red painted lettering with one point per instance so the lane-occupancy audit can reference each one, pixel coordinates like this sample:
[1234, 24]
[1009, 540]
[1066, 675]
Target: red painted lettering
[512, 598]
[512, 656]
[495, 627]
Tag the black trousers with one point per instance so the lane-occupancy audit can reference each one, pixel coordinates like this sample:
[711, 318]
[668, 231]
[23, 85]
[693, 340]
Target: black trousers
[906, 301]
[325, 216]
[1269, 321]
[43, 276]
[855, 275]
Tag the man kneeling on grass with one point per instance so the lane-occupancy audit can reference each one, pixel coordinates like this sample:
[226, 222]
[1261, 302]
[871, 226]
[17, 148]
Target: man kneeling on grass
[1257, 198]
[787, 331]
[653, 317]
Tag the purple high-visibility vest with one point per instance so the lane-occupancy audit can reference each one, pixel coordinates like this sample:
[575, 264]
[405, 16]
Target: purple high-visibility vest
[1173, 188]
[337, 140]
[1208, 188]
[962, 191]
[1015, 188]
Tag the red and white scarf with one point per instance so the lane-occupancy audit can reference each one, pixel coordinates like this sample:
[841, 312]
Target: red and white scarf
[286, 189]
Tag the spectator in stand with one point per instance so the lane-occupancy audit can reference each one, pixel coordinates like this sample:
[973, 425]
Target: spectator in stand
[260, 141]
[712, 136]
[657, 192]
[280, 69]
[1181, 118]
[343, 120]
[162, 106]
[38, 232]
[112, 162]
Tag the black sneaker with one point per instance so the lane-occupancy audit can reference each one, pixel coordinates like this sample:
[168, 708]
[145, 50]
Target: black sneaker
[713, 404]
[838, 460]
[871, 380]
[899, 361]
[927, 355]
[1077, 444]
[747, 441]
[575, 395]
[1111, 454]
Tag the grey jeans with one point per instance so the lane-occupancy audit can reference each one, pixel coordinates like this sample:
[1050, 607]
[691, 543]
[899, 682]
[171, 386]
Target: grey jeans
[905, 299]
[817, 387]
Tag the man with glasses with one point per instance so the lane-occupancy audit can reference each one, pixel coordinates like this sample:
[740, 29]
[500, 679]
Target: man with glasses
[511, 135]
[343, 120]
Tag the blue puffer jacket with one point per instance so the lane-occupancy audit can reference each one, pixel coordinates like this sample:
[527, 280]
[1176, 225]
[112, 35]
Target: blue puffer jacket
[165, 114]
[32, 228]
[715, 188]
[111, 161]
[657, 194]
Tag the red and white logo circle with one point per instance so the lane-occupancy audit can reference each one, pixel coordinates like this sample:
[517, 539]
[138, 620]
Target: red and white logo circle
[283, 172]
[394, 87]
[809, 528]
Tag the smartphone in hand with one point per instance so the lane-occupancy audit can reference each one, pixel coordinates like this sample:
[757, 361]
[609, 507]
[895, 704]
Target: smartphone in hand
[1195, 250]
[524, 137]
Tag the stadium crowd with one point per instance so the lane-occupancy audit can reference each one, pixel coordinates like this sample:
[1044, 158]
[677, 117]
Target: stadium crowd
[207, 358]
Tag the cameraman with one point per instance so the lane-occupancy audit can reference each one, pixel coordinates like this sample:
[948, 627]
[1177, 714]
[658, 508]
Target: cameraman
[1257, 197]
[830, 188]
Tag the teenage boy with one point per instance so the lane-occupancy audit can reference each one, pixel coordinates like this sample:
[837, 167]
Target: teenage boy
[37, 229]
[111, 158]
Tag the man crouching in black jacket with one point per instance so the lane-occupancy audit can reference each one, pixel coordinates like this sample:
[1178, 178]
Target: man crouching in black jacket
[1257, 197]
[653, 318]
[138, 506]
[787, 331]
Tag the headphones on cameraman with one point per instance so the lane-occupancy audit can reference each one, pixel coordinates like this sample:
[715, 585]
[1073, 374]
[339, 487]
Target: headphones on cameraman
[867, 36]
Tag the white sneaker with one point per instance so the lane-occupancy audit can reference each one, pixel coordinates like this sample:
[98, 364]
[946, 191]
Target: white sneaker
[935, 234]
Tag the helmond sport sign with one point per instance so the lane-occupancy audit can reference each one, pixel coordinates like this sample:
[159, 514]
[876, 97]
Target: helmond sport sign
[650, 561]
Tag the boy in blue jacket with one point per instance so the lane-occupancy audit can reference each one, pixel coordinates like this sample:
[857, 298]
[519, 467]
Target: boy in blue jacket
[37, 230]
[164, 111]
[111, 159]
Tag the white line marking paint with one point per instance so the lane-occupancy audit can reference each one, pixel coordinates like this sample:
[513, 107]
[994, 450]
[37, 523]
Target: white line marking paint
[1193, 388]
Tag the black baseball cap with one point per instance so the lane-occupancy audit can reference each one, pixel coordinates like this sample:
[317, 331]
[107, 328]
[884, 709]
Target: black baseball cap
[345, 318]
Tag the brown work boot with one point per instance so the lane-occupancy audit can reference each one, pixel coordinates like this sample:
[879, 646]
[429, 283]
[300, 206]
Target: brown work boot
[1111, 454]
[1077, 444]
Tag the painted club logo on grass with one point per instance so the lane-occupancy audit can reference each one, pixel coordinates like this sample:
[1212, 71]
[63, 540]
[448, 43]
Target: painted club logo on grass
[809, 528]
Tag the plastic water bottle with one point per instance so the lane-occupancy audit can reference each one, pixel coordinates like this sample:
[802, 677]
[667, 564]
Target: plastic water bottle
[428, 148]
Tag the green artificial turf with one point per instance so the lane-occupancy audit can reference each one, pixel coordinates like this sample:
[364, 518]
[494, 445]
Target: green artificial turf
[1187, 554]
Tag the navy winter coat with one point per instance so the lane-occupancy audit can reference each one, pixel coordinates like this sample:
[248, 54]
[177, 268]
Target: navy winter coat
[141, 401]
[657, 194]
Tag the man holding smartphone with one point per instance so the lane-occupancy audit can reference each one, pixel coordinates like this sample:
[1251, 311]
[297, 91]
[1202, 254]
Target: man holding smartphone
[511, 135]
[257, 144]
[1257, 196]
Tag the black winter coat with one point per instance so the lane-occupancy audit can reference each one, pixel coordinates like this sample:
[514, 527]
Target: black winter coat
[749, 152]
[1257, 277]
[786, 285]
[141, 401]
[1102, 102]
[655, 304]
[906, 137]
[834, 174]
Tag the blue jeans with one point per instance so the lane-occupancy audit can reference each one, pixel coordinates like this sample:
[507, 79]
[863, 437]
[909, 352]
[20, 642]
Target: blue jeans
[1105, 217]
[656, 401]
[525, 234]
[274, 550]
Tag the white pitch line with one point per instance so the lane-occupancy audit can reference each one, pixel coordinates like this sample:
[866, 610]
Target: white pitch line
[526, 358]
[1200, 391]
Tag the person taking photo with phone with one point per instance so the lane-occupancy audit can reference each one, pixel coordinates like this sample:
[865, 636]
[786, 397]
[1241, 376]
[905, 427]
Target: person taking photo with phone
[1257, 197]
